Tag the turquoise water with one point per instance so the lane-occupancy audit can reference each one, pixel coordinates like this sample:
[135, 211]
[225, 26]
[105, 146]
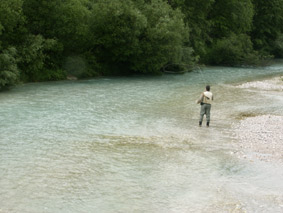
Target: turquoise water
[132, 144]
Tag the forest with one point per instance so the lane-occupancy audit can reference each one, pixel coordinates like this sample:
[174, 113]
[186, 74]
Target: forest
[49, 40]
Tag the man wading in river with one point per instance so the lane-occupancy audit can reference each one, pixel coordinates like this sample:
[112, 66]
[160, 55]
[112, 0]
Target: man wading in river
[205, 101]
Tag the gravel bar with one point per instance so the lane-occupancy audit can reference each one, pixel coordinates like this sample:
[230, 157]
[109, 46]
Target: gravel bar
[261, 137]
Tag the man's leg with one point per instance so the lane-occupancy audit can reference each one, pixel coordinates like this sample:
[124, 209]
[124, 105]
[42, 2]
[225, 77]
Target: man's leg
[207, 112]
[202, 112]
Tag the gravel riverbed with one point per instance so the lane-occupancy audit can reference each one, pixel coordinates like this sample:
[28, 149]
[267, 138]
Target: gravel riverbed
[274, 84]
[261, 136]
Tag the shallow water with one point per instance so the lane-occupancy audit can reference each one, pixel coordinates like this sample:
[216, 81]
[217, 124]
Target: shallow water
[133, 145]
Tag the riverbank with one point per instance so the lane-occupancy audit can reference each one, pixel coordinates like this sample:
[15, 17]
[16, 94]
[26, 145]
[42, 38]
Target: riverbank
[261, 136]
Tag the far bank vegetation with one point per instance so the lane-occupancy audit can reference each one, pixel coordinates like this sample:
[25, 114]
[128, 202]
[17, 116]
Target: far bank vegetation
[52, 39]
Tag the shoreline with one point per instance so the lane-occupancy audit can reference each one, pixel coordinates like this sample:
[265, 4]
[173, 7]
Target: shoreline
[260, 137]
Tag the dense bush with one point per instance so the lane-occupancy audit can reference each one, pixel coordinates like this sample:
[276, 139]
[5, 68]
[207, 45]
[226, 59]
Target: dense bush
[66, 21]
[12, 22]
[196, 13]
[114, 31]
[38, 59]
[231, 16]
[163, 39]
[278, 46]
[233, 50]
[9, 73]
[11, 34]
[267, 26]
[128, 38]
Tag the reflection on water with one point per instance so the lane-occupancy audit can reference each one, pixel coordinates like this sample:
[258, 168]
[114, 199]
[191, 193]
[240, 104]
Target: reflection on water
[133, 145]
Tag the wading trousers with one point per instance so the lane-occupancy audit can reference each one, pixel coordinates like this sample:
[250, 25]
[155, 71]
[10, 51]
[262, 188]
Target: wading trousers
[205, 109]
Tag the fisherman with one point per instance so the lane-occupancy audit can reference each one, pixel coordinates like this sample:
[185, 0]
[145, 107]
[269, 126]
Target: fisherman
[205, 101]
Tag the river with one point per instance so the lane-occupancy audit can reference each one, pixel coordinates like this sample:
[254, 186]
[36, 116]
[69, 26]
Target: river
[132, 144]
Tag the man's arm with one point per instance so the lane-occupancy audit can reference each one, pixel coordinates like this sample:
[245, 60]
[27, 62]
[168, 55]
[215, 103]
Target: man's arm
[200, 98]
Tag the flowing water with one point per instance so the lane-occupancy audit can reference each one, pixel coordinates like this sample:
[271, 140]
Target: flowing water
[132, 144]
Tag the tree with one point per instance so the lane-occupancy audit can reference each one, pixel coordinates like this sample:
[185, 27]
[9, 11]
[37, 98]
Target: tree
[59, 29]
[38, 59]
[11, 35]
[164, 40]
[65, 21]
[115, 29]
[72, 25]
[267, 25]
[231, 16]
[12, 21]
[9, 74]
[196, 17]
[132, 37]
[278, 49]
[233, 50]
[231, 23]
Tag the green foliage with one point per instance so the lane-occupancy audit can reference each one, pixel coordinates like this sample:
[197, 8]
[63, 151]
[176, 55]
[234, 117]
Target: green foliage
[231, 21]
[196, 14]
[11, 23]
[115, 30]
[231, 16]
[11, 34]
[67, 21]
[214, 22]
[163, 40]
[130, 37]
[72, 25]
[38, 59]
[267, 25]
[278, 50]
[233, 50]
[9, 74]
[41, 16]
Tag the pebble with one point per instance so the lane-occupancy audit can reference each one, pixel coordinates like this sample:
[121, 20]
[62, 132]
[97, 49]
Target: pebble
[261, 134]
[272, 84]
